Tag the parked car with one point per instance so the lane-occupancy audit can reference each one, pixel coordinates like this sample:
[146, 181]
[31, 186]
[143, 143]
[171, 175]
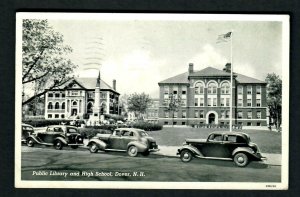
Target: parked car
[26, 131]
[235, 146]
[132, 140]
[57, 136]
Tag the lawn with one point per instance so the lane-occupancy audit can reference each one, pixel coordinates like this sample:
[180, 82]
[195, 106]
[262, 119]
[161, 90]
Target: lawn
[268, 141]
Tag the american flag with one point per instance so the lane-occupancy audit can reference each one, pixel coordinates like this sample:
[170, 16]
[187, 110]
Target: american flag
[224, 37]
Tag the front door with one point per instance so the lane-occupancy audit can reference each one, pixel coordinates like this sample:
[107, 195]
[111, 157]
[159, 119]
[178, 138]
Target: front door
[74, 112]
[211, 118]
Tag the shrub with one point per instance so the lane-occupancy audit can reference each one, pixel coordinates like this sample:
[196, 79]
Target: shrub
[115, 117]
[147, 126]
[44, 123]
[91, 132]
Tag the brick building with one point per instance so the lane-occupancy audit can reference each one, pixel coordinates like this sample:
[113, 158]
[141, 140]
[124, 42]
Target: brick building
[90, 97]
[204, 98]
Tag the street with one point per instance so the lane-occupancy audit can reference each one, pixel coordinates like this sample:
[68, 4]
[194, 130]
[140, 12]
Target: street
[46, 163]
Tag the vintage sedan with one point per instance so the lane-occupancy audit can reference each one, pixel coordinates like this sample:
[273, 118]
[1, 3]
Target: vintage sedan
[57, 136]
[235, 146]
[132, 140]
[26, 131]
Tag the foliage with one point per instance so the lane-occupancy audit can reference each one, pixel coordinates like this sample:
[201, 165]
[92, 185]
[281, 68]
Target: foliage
[44, 61]
[147, 126]
[44, 123]
[115, 117]
[89, 132]
[138, 103]
[274, 97]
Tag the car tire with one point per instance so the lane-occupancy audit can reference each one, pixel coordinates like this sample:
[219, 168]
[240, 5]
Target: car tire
[58, 145]
[93, 147]
[132, 151]
[30, 142]
[74, 147]
[241, 159]
[186, 156]
[146, 153]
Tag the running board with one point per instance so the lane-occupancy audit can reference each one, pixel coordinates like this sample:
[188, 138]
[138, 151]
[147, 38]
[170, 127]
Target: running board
[118, 150]
[216, 158]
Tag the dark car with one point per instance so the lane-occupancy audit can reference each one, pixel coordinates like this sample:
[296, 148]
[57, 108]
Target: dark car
[132, 140]
[235, 146]
[57, 136]
[26, 131]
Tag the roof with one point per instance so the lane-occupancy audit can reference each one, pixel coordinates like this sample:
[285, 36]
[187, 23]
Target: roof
[230, 133]
[90, 83]
[209, 72]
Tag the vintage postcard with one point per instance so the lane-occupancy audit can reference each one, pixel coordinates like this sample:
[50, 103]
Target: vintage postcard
[161, 101]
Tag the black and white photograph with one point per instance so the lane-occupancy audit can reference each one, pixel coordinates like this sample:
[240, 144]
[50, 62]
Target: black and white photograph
[152, 101]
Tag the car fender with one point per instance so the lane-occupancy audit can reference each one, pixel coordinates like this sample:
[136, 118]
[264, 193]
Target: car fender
[102, 145]
[191, 148]
[34, 138]
[243, 149]
[140, 146]
[61, 139]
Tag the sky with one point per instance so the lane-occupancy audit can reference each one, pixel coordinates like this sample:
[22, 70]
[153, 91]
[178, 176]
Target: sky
[139, 53]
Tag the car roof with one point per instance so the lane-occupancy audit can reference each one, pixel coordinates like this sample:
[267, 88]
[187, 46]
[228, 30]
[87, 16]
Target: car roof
[28, 125]
[231, 133]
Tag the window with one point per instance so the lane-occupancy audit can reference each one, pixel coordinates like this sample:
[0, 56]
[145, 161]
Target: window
[240, 89]
[222, 114]
[174, 123]
[175, 92]
[50, 106]
[212, 88]
[227, 101]
[63, 105]
[257, 102]
[258, 124]
[183, 114]
[74, 103]
[249, 124]
[249, 114]
[196, 114]
[166, 123]
[249, 102]
[240, 115]
[258, 115]
[196, 101]
[74, 93]
[227, 114]
[183, 102]
[201, 101]
[56, 105]
[225, 89]
[49, 115]
[240, 102]
[258, 89]
[57, 95]
[50, 95]
[209, 102]
[214, 101]
[62, 116]
[215, 137]
[222, 101]
[183, 123]
[63, 95]
[201, 114]
[166, 114]
[249, 90]
[56, 115]
[199, 88]
[175, 114]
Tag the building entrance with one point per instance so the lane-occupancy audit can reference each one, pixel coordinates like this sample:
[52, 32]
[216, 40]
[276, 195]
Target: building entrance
[211, 118]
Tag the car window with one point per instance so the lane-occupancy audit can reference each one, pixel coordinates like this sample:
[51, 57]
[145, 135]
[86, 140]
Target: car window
[131, 134]
[118, 133]
[215, 137]
[125, 133]
[240, 139]
[27, 128]
[71, 130]
[57, 129]
[143, 133]
[50, 129]
[230, 138]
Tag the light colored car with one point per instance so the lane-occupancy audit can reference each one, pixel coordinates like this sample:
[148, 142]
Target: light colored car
[26, 131]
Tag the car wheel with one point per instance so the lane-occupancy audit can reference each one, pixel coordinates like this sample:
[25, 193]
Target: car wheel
[186, 156]
[30, 142]
[93, 148]
[146, 153]
[58, 145]
[241, 159]
[74, 147]
[132, 151]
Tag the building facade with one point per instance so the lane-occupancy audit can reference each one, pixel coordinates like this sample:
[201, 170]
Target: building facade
[203, 97]
[83, 98]
[151, 114]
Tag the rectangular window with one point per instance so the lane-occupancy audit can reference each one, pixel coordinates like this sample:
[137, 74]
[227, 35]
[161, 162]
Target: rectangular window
[175, 114]
[214, 101]
[74, 93]
[56, 115]
[249, 102]
[258, 115]
[227, 114]
[166, 123]
[183, 114]
[240, 89]
[209, 102]
[175, 92]
[249, 90]
[196, 114]
[174, 123]
[240, 102]
[196, 90]
[222, 101]
[49, 115]
[249, 114]
[227, 101]
[257, 102]
[258, 124]
[214, 89]
[201, 101]
[201, 89]
[183, 102]
[165, 103]
[222, 114]
[50, 95]
[183, 123]
[196, 102]
[201, 114]
[249, 124]
[166, 89]
[240, 115]
[63, 95]
[166, 114]
[258, 89]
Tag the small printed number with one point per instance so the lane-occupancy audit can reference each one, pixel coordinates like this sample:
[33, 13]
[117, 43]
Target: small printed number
[270, 185]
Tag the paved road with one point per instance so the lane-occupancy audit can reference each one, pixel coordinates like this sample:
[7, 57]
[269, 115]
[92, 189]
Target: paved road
[45, 163]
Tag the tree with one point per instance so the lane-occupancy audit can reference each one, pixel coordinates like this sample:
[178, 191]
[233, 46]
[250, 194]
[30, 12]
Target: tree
[44, 59]
[138, 103]
[173, 105]
[274, 97]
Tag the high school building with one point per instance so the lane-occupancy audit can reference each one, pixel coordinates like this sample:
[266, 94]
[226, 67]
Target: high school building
[87, 98]
[203, 97]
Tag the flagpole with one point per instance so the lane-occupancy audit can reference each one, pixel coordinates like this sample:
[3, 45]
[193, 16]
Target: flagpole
[231, 82]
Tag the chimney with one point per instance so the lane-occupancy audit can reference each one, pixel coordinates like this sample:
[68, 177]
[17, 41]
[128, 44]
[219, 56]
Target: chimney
[114, 84]
[227, 67]
[191, 68]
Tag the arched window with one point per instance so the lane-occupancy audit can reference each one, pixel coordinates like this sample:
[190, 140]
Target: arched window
[225, 88]
[74, 103]
[212, 88]
[90, 107]
[57, 105]
[63, 105]
[50, 106]
[199, 88]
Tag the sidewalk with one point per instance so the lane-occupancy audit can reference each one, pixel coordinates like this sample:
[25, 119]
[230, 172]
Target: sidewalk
[170, 151]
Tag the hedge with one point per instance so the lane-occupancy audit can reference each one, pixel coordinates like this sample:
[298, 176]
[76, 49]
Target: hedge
[91, 132]
[147, 126]
[44, 123]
